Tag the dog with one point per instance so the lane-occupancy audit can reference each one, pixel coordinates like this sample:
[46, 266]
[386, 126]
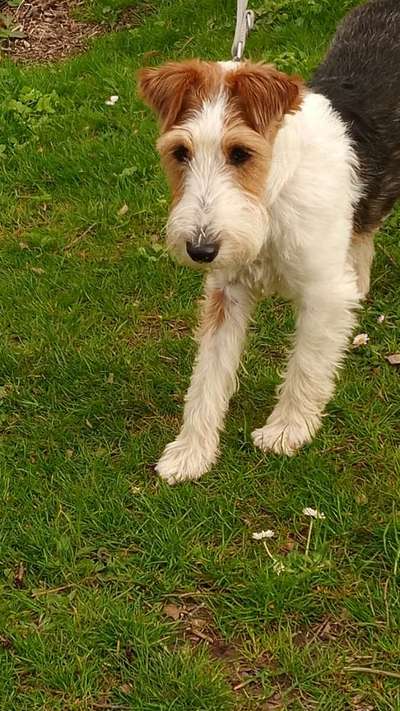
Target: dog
[278, 187]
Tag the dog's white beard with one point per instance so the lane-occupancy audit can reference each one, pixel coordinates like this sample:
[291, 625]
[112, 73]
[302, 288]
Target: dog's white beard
[238, 222]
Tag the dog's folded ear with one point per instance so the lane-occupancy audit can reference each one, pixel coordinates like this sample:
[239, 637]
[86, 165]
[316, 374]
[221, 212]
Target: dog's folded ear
[165, 88]
[263, 93]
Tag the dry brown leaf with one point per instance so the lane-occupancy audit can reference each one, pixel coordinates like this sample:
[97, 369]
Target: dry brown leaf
[360, 705]
[5, 390]
[126, 688]
[275, 703]
[198, 623]
[173, 611]
[288, 545]
[150, 53]
[134, 489]
[19, 576]
[123, 210]
[5, 643]
[393, 358]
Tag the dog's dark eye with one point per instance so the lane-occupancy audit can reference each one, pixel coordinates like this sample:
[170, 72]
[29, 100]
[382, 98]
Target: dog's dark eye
[238, 155]
[181, 154]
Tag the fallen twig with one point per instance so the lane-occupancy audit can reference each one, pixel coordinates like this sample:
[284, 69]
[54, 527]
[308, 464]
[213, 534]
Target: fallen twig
[120, 707]
[79, 237]
[385, 598]
[195, 593]
[50, 591]
[372, 670]
[61, 588]
[201, 635]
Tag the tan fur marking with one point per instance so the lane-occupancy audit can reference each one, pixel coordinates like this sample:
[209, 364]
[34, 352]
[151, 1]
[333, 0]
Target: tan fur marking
[259, 92]
[260, 97]
[362, 255]
[174, 170]
[213, 312]
[250, 176]
[176, 89]
[262, 94]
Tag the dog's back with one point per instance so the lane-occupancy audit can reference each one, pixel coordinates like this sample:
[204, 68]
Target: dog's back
[361, 77]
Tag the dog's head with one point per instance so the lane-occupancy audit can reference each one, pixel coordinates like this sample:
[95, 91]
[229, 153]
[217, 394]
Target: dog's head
[218, 124]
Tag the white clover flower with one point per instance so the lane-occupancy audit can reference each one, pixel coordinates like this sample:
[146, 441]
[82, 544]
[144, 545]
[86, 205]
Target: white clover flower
[314, 513]
[360, 340]
[263, 534]
[381, 318]
[112, 100]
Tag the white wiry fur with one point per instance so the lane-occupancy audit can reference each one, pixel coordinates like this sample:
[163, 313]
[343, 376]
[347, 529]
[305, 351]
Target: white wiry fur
[295, 243]
[212, 385]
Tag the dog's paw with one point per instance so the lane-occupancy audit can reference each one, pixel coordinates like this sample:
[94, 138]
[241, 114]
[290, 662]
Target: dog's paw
[285, 436]
[181, 461]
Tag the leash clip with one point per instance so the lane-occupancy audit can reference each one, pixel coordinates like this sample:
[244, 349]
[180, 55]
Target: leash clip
[244, 24]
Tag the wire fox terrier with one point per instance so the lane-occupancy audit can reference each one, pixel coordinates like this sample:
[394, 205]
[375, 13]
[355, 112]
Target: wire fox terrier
[278, 188]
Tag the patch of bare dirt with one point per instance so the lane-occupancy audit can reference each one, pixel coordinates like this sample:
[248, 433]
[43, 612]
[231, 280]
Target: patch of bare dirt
[246, 672]
[243, 674]
[50, 31]
[152, 327]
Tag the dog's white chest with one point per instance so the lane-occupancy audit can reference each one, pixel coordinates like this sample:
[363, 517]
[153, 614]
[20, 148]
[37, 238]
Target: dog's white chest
[263, 276]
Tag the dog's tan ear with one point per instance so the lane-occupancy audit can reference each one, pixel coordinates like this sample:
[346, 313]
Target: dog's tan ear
[165, 88]
[264, 94]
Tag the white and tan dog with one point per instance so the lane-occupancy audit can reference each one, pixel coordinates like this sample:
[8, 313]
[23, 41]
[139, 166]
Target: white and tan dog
[267, 198]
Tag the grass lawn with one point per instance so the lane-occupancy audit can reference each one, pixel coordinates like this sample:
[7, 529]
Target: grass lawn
[116, 591]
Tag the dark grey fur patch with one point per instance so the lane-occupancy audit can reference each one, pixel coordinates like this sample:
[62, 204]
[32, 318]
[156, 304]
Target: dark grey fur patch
[361, 77]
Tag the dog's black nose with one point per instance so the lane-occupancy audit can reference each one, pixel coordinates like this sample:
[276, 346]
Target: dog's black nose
[203, 252]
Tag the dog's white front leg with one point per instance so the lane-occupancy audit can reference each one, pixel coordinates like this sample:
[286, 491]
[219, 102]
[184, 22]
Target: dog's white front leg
[324, 325]
[224, 317]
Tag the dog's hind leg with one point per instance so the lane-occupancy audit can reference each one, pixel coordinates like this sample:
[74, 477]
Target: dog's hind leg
[361, 258]
[223, 323]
